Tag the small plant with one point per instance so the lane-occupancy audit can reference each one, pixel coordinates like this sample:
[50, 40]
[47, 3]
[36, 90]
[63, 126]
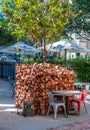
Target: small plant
[31, 60]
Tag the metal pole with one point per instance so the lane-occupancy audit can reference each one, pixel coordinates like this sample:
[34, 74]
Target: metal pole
[65, 56]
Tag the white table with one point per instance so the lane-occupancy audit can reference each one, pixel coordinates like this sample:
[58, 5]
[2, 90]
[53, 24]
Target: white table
[67, 93]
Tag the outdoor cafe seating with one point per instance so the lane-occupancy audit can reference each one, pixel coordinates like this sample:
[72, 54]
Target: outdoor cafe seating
[80, 101]
[56, 104]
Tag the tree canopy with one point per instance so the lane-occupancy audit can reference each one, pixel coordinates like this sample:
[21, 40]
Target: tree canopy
[82, 21]
[39, 21]
[5, 33]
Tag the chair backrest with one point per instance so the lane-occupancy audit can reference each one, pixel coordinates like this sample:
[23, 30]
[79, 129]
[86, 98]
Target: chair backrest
[11, 81]
[51, 96]
[83, 95]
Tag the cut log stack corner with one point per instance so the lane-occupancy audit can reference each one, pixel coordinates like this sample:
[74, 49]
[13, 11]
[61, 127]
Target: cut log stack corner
[34, 81]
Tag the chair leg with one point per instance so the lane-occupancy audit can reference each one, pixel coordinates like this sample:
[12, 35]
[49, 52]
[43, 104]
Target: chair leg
[55, 111]
[79, 108]
[85, 107]
[48, 110]
[65, 110]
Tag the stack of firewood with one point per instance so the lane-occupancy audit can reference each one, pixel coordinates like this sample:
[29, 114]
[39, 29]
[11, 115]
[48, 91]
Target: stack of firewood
[34, 81]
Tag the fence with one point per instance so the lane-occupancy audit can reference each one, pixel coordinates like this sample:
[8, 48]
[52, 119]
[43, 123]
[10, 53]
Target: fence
[7, 69]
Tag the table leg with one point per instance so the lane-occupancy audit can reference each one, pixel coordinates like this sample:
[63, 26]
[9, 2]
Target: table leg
[67, 100]
[67, 107]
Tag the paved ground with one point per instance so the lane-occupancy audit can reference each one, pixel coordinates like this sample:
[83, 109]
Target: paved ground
[10, 120]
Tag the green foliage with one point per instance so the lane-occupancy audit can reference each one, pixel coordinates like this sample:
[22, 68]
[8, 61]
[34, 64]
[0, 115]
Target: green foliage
[31, 60]
[27, 60]
[61, 57]
[80, 66]
[5, 33]
[37, 20]
[59, 60]
[82, 69]
[82, 22]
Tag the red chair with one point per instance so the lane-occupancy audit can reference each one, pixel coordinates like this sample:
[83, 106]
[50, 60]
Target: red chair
[80, 101]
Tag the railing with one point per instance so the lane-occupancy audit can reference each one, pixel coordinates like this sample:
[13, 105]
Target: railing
[70, 67]
[7, 69]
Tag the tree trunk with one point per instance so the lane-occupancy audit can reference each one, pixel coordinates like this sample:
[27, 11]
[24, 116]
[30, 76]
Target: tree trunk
[45, 54]
[45, 51]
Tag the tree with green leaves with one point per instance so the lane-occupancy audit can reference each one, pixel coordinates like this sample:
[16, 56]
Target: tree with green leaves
[5, 33]
[42, 22]
[82, 21]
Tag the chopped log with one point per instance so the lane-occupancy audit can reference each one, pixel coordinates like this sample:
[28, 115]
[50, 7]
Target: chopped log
[34, 81]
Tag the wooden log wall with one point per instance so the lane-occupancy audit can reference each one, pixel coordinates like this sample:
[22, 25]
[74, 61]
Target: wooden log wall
[34, 81]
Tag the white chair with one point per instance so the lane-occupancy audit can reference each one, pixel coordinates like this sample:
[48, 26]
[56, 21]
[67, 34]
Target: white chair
[56, 104]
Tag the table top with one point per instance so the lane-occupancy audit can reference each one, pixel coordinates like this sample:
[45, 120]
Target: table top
[68, 92]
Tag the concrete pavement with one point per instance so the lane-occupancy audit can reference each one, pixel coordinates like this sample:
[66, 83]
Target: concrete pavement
[10, 120]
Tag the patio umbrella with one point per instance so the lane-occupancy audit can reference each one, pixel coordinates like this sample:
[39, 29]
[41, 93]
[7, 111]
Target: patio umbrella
[20, 48]
[72, 46]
